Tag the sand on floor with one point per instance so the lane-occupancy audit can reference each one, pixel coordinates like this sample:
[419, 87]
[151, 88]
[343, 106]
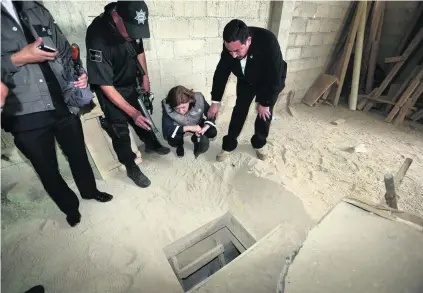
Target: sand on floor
[118, 245]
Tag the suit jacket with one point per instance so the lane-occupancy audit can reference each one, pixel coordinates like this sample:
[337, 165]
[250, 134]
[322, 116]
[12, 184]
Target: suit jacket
[265, 70]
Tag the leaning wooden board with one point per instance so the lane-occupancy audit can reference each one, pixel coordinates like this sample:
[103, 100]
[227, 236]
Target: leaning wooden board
[410, 103]
[404, 97]
[319, 87]
[417, 39]
[343, 65]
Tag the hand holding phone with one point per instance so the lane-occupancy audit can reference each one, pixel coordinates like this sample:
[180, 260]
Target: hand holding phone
[46, 48]
[32, 54]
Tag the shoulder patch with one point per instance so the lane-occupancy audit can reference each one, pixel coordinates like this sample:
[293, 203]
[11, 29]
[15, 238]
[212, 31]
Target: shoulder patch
[96, 55]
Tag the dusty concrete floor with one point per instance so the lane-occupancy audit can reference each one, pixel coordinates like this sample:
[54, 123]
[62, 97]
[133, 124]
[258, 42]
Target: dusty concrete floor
[118, 246]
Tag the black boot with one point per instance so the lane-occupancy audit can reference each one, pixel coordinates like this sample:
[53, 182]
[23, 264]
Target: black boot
[180, 151]
[136, 175]
[156, 147]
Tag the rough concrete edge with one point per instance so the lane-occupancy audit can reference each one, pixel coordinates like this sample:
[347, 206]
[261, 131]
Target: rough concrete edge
[288, 261]
[386, 212]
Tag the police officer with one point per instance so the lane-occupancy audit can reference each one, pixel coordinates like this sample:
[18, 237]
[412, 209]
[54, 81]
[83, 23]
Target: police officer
[38, 109]
[113, 42]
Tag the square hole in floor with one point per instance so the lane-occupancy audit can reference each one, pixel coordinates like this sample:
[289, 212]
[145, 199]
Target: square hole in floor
[206, 250]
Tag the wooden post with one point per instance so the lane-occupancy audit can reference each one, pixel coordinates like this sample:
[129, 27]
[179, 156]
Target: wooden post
[391, 182]
[357, 61]
[343, 64]
[402, 171]
[390, 195]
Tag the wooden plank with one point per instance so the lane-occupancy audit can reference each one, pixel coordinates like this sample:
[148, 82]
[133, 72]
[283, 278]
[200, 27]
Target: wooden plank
[375, 49]
[289, 106]
[363, 101]
[381, 99]
[394, 59]
[342, 69]
[417, 39]
[410, 103]
[358, 55]
[374, 26]
[341, 39]
[416, 116]
[199, 262]
[407, 93]
[319, 87]
[401, 89]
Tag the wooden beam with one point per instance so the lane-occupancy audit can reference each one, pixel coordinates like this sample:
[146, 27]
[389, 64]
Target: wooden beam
[416, 116]
[319, 87]
[391, 194]
[402, 88]
[363, 101]
[407, 93]
[375, 50]
[410, 103]
[199, 262]
[373, 29]
[342, 69]
[392, 182]
[394, 59]
[417, 39]
[399, 177]
[381, 99]
[352, 101]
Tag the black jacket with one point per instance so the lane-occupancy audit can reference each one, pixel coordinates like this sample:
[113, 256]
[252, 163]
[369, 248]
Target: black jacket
[265, 70]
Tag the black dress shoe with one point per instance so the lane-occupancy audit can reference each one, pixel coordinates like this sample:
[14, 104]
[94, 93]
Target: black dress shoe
[36, 289]
[74, 219]
[180, 151]
[100, 196]
[134, 172]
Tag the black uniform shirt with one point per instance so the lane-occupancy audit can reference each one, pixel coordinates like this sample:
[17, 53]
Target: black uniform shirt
[265, 69]
[108, 60]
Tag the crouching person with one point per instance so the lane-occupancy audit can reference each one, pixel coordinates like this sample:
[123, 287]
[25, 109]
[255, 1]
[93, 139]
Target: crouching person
[184, 111]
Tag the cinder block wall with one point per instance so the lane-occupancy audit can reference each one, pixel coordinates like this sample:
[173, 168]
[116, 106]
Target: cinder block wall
[314, 29]
[186, 37]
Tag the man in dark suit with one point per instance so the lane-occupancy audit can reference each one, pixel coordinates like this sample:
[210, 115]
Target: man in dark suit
[254, 56]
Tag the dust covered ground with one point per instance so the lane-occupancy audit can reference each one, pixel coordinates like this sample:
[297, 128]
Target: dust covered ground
[118, 245]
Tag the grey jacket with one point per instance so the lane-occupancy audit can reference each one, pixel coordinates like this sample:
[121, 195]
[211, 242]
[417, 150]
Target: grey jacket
[28, 92]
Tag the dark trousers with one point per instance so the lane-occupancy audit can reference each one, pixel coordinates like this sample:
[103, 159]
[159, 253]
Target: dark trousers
[39, 147]
[178, 140]
[244, 97]
[119, 133]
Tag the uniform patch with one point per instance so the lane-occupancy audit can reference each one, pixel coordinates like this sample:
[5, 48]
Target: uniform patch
[96, 56]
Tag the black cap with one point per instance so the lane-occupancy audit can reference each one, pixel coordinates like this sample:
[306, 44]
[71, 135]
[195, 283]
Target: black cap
[135, 17]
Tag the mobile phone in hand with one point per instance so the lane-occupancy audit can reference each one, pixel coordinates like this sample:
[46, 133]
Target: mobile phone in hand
[46, 48]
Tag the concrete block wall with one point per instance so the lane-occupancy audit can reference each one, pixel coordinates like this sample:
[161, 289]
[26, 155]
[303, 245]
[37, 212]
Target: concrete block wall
[312, 36]
[186, 37]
